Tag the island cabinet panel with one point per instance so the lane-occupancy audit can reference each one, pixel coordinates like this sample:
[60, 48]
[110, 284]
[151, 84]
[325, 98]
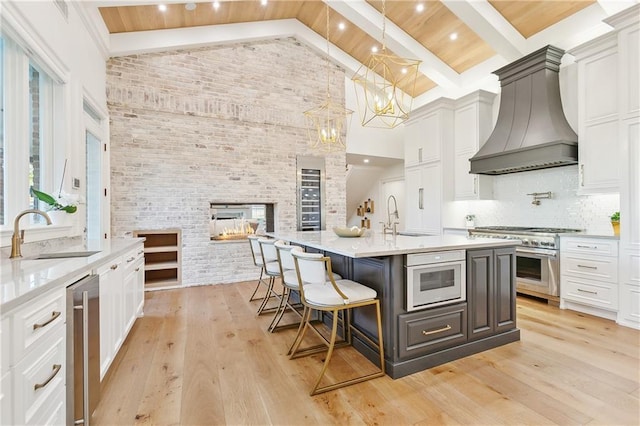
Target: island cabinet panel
[480, 292]
[491, 291]
[430, 330]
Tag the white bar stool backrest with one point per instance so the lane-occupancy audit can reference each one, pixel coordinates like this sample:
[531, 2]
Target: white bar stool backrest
[255, 250]
[284, 251]
[269, 253]
[310, 267]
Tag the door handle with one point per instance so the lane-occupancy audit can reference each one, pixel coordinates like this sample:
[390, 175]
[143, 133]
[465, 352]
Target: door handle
[56, 369]
[54, 315]
[440, 330]
[420, 198]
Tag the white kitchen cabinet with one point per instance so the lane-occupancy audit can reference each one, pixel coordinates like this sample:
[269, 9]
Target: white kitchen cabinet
[472, 127]
[589, 275]
[627, 26]
[32, 383]
[423, 198]
[598, 114]
[426, 132]
[121, 299]
[133, 291]
[111, 312]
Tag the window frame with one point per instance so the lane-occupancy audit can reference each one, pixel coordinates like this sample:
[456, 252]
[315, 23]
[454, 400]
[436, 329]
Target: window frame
[20, 51]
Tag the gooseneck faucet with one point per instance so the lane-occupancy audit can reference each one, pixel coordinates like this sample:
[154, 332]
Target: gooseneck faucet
[389, 226]
[18, 236]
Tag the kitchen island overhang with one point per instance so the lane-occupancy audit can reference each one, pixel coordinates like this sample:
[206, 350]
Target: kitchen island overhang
[420, 339]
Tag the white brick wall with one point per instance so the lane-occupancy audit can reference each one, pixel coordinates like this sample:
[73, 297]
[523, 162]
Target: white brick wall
[221, 123]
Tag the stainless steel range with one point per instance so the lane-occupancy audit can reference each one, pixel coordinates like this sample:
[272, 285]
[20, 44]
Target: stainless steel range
[537, 259]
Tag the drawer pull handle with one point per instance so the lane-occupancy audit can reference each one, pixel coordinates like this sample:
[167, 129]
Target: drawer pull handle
[114, 266]
[131, 259]
[587, 291]
[56, 369]
[587, 266]
[440, 330]
[587, 247]
[54, 315]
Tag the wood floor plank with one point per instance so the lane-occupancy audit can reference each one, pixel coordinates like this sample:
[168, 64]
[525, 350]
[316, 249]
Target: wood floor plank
[201, 356]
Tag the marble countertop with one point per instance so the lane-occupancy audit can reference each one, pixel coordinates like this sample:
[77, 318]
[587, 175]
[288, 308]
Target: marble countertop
[25, 278]
[374, 244]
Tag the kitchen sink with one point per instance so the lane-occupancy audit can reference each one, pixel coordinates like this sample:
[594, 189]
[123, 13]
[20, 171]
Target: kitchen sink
[65, 254]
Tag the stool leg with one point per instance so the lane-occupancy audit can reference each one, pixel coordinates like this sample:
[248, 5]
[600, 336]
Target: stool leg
[301, 332]
[282, 307]
[332, 342]
[251, 299]
[267, 295]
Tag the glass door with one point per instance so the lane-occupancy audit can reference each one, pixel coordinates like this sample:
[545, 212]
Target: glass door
[310, 193]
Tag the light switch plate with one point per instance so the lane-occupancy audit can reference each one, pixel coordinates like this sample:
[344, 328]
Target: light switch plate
[76, 183]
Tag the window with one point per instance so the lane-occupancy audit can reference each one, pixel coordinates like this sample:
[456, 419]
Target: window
[27, 152]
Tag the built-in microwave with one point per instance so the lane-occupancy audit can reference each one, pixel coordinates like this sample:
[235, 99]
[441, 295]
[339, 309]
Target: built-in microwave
[435, 279]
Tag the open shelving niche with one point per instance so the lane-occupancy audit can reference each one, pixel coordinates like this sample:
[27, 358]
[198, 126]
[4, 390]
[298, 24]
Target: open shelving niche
[162, 258]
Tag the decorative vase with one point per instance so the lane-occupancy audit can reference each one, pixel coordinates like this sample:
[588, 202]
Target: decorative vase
[60, 217]
[616, 228]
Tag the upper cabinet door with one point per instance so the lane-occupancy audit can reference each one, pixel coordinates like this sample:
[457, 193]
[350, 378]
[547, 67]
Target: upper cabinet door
[598, 115]
[428, 130]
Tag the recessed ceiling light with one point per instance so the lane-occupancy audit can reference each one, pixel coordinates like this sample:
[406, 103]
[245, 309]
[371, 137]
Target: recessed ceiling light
[366, 160]
[263, 2]
[342, 26]
[453, 36]
[420, 7]
[190, 6]
[374, 49]
[216, 5]
[404, 70]
[162, 7]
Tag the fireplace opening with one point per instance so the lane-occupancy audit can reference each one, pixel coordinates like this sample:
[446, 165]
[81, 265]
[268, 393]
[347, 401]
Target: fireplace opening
[236, 221]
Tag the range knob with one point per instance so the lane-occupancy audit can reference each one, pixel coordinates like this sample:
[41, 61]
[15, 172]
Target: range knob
[534, 243]
[525, 242]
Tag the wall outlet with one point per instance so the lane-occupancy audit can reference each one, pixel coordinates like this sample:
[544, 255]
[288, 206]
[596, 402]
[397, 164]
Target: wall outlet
[76, 183]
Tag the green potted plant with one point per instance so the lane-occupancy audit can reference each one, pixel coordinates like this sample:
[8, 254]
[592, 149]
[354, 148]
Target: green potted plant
[59, 208]
[615, 222]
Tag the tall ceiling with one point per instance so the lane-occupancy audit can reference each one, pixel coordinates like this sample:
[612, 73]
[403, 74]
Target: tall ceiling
[489, 33]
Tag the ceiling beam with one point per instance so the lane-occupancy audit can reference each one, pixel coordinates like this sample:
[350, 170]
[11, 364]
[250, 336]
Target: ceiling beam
[490, 26]
[369, 20]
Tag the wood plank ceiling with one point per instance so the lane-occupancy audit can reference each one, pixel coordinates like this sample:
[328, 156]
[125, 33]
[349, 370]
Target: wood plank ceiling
[431, 28]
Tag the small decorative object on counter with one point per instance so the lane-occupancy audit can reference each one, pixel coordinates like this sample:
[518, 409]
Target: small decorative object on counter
[360, 211]
[615, 223]
[470, 220]
[365, 223]
[369, 204]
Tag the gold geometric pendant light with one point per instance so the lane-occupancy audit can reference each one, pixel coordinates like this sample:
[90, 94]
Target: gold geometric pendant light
[328, 122]
[384, 85]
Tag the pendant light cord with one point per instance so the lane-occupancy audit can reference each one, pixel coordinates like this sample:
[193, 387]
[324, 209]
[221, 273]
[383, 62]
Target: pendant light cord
[327, 57]
[384, 19]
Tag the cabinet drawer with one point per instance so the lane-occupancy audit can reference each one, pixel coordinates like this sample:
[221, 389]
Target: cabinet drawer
[36, 321]
[132, 256]
[428, 331]
[5, 344]
[6, 401]
[436, 257]
[39, 379]
[593, 293]
[595, 246]
[590, 267]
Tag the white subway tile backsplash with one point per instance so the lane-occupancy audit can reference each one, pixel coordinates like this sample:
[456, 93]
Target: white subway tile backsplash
[512, 206]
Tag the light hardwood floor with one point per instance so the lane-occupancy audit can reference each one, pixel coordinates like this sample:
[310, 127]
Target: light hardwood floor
[200, 356]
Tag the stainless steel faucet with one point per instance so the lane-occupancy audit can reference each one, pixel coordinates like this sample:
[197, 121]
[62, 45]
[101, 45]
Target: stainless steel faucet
[391, 226]
[18, 236]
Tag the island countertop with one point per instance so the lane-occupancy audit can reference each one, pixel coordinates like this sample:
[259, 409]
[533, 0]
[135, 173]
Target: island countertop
[374, 244]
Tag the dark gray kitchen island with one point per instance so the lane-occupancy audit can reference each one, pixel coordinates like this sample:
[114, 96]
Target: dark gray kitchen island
[415, 340]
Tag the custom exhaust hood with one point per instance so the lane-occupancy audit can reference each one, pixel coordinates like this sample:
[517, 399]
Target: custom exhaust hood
[531, 131]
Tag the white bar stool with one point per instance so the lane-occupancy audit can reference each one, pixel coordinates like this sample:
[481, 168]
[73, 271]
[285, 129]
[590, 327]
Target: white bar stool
[318, 293]
[271, 269]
